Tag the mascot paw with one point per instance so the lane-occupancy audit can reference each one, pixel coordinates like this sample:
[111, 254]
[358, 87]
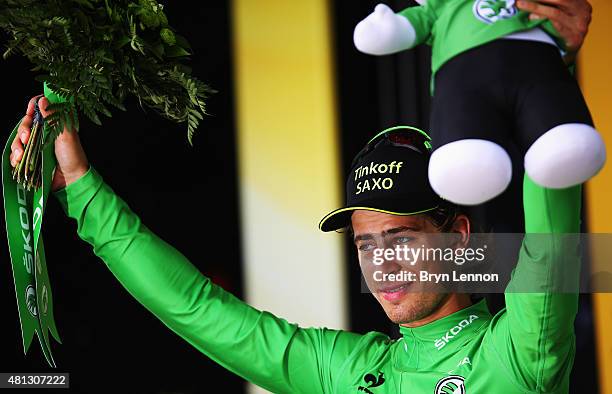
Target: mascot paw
[470, 172]
[383, 32]
[565, 156]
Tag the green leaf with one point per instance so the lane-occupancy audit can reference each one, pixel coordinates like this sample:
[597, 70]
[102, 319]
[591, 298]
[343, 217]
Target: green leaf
[85, 3]
[193, 112]
[120, 43]
[101, 108]
[182, 41]
[158, 50]
[176, 51]
[91, 114]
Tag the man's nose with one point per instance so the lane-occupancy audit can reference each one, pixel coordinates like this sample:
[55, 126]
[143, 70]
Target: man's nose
[390, 266]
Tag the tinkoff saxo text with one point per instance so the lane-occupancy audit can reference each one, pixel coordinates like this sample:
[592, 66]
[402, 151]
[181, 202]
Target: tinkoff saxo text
[376, 182]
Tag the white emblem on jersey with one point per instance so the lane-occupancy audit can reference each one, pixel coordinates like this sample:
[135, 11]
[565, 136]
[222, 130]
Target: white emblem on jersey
[453, 384]
[490, 11]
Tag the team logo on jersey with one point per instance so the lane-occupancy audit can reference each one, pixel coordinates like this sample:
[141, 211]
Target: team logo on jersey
[453, 384]
[372, 381]
[490, 11]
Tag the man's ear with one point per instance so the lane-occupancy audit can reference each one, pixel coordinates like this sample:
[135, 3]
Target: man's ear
[461, 226]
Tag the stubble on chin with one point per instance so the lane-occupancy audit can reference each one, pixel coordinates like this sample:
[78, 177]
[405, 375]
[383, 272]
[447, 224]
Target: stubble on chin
[414, 307]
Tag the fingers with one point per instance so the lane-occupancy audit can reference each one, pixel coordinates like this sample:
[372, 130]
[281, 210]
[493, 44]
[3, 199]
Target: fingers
[544, 11]
[26, 124]
[555, 3]
[570, 18]
[16, 148]
[566, 11]
[31, 105]
[571, 7]
[23, 133]
[42, 105]
[13, 158]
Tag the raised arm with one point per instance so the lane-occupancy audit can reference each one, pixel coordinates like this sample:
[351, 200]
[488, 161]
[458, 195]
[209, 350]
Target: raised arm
[384, 32]
[535, 336]
[256, 345]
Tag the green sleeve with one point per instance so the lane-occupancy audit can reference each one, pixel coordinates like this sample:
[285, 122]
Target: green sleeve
[535, 335]
[256, 345]
[422, 19]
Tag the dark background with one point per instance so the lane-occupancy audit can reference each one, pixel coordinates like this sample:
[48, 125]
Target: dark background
[110, 342]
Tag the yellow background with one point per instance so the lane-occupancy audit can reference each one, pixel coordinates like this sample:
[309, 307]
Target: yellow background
[595, 73]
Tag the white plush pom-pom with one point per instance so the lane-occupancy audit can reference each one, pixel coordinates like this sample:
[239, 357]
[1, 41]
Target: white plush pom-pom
[383, 32]
[566, 155]
[470, 171]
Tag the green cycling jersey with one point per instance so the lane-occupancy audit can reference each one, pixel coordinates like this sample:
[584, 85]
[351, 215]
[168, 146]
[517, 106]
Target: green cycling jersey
[528, 347]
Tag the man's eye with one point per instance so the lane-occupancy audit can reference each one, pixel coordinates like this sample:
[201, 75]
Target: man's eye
[402, 240]
[366, 247]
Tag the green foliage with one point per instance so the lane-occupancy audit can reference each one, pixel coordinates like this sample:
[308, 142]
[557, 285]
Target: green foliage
[97, 52]
[167, 36]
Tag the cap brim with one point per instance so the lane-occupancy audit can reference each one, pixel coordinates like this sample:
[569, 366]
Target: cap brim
[341, 217]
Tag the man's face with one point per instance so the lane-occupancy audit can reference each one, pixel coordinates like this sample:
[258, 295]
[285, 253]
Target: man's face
[403, 301]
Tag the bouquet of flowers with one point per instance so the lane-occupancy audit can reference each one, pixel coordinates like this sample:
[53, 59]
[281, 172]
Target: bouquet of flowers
[92, 54]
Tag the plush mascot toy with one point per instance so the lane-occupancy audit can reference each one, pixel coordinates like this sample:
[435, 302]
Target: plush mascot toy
[498, 78]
